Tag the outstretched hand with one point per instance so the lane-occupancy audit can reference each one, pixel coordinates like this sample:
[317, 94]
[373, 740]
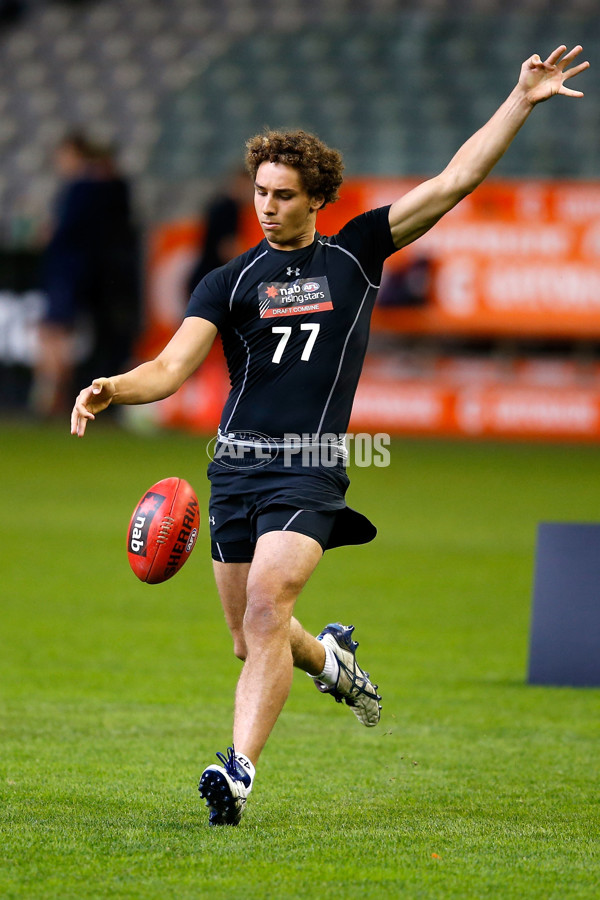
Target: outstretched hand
[91, 400]
[541, 80]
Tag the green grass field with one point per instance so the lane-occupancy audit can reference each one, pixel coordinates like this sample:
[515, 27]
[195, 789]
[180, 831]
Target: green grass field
[115, 694]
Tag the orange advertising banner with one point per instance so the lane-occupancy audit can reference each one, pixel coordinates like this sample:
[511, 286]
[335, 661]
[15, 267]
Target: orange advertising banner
[513, 259]
[510, 405]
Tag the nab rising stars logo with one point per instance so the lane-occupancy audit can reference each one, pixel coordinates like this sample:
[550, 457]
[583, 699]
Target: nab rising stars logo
[294, 298]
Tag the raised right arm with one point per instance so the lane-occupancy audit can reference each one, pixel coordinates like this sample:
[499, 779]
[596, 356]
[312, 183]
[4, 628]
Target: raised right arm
[153, 380]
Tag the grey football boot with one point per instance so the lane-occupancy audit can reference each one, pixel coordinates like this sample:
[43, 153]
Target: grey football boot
[353, 686]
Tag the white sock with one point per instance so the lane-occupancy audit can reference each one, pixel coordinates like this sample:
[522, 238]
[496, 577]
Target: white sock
[331, 671]
[246, 765]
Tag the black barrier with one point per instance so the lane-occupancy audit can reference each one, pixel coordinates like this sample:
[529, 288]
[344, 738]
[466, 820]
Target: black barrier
[565, 630]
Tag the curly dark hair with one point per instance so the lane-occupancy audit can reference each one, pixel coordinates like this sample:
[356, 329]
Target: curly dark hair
[320, 167]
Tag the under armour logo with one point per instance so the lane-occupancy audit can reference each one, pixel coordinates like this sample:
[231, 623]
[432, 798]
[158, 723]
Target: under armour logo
[291, 271]
[211, 519]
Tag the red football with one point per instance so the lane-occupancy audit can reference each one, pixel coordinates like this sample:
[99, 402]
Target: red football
[163, 530]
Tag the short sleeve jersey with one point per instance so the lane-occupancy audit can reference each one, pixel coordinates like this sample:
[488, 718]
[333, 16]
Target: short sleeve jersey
[295, 327]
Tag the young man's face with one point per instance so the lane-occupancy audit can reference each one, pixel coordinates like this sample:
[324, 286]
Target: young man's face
[285, 211]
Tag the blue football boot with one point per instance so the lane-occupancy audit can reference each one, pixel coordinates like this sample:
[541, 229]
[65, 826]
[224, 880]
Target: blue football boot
[225, 789]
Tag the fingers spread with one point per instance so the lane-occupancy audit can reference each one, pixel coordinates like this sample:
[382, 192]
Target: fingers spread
[577, 69]
[556, 55]
[570, 56]
[567, 92]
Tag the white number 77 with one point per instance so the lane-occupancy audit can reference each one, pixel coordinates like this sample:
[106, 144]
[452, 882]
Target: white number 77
[285, 332]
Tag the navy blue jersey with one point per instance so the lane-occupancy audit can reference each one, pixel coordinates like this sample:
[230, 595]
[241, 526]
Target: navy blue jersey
[295, 326]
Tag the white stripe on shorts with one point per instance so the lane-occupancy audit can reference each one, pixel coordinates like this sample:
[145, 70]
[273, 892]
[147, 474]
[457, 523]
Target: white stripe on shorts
[289, 522]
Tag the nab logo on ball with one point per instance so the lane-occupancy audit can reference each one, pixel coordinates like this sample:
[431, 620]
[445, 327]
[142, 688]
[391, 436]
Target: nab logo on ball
[163, 530]
[142, 520]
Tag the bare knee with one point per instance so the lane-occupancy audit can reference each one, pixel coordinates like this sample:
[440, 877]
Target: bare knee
[260, 615]
[268, 612]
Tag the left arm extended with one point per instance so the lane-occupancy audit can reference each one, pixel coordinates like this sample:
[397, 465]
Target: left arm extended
[415, 213]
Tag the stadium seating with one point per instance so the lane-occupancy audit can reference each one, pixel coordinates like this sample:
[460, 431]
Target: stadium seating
[180, 84]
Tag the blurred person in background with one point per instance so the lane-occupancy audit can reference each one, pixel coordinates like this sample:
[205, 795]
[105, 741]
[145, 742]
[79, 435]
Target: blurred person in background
[222, 220]
[89, 274]
[408, 286]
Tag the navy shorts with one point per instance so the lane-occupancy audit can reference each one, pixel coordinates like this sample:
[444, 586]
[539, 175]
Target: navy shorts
[247, 504]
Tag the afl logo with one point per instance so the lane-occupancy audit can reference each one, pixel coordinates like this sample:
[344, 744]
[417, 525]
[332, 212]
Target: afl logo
[192, 541]
[311, 286]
